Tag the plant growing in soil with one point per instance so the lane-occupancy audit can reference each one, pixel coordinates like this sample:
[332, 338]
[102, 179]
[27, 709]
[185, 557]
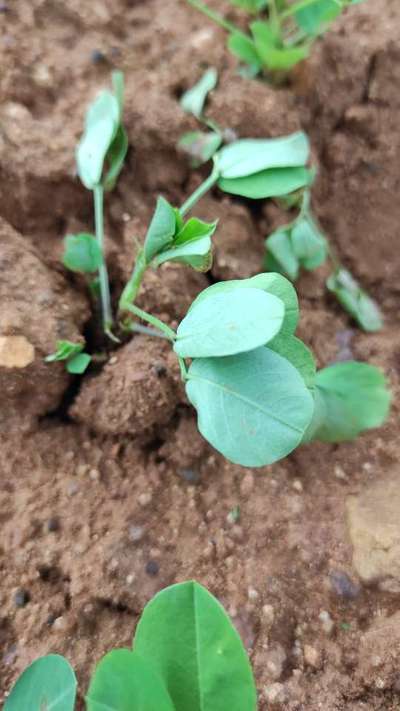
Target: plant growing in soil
[301, 244]
[252, 381]
[187, 656]
[281, 32]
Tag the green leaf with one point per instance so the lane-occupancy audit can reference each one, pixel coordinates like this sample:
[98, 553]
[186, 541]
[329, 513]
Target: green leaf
[274, 284]
[82, 253]
[78, 363]
[197, 254]
[244, 48]
[309, 245]
[229, 322]
[124, 681]
[273, 55]
[101, 126]
[64, 350]
[314, 19]
[115, 158]
[352, 397]
[195, 229]
[253, 155]
[161, 231]
[253, 407]
[355, 300]
[200, 146]
[49, 684]
[268, 183]
[117, 79]
[251, 5]
[194, 99]
[297, 353]
[279, 246]
[190, 641]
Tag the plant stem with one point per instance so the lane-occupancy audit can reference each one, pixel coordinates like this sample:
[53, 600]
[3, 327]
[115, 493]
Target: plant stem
[98, 194]
[138, 328]
[212, 15]
[296, 7]
[132, 287]
[182, 365]
[200, 191]
[153, 320]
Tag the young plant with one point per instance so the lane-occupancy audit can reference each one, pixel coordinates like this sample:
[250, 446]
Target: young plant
[251, 380]
[301, 244]
[281, 32]
[186, 656]
[76, 361]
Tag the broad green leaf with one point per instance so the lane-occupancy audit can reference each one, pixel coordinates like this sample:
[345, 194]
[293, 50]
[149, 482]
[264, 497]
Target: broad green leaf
[124, 681]
[253, 407]
[244, 49]
[279, 245]
[194, 99]
[229, 322]
[268, 183]
[271, 53]
[78, 363]
[195, 229]
[101, 126]
[82, 253]
[253, 155]
[115, 158]
[187, 636]
[355, 300]
[315, 18]
[352, 397]
[297, 353]
[49, 684]
[318, 418]
[200, 146]
[251, 5]
[64, 350]
[272, 283]
[196, 253]
[161, 231]
[309, 245]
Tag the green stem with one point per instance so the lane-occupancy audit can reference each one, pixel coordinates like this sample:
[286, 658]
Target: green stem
[132, 287]
[138, 328]
[212, 15]
[182, 365]
[296, 7]
[200, 191]
[103, 274]
[153, 320]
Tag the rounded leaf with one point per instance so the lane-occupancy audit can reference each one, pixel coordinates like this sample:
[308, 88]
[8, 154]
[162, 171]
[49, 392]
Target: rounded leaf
[297, 353]
[253, 408]
[188, 637]
[229, 322]
[123, 681]
[268, 183]
[82, 253]
[252, 155]
[49, 684]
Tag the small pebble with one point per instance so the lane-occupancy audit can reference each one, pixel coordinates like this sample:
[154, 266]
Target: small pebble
[97, 57]
[191, 476]
[253, 594]
[72, 488]
[297, 485]
[21, 598]
[340, 473]
[247, 484]
[268, 613]
[160, 369]
[53, 524]
[152, 568]
[130, 578]
[312, 656]
[343, 586]
[275, 693]
[145, 499]
[81, 469]
[94, 474]
[136, 533]
[326, 622]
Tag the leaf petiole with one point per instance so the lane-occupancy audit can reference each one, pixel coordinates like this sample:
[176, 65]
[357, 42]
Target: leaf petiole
[98, 194]
[214, 16]
[153, 320]
[200, 191]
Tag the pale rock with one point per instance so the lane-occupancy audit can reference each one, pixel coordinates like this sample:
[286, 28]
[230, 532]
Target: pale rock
[16, 352]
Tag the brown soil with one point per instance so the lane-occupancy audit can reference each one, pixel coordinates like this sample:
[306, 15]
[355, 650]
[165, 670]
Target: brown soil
[113, 474]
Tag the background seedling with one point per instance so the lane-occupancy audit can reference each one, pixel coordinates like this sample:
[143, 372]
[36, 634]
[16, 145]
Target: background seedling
[76, 360]
[252, 381]
[302, 244]
[281, 32]
[187, 656]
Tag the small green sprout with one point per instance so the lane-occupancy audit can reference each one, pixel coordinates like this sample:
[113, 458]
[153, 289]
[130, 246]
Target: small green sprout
[252, 381]
[201, 146]
[302, 244]
[186, 656]
[76, 360]
[281, 32]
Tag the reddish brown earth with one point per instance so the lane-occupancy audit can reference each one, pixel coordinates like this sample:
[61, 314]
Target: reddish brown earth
[103, 475]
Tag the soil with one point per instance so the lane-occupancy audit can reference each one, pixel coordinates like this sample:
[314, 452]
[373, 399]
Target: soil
[108, 493]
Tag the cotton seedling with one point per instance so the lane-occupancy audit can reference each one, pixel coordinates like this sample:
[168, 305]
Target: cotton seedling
[252, 381]
[76, 360]
[281, 32]
[186, 656]
[302, 244]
